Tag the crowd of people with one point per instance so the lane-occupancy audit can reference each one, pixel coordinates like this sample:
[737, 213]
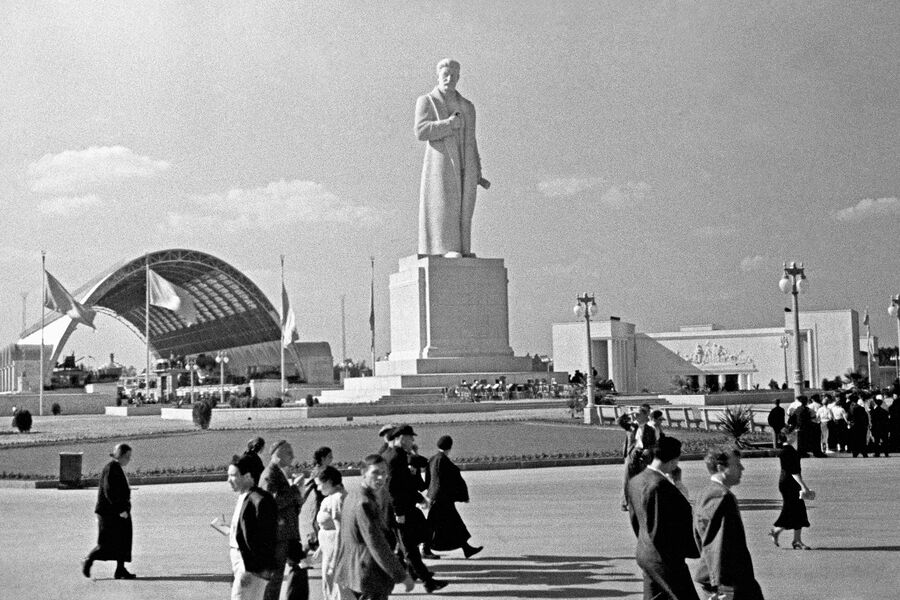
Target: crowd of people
[367, 538]
[853, 421]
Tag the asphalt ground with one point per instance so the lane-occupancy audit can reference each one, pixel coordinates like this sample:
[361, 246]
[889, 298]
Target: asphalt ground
[548, 533]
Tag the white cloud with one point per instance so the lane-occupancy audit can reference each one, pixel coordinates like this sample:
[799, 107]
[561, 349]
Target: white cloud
[869, 207]
[279, 202]
[626, 194]
[560, 188]
[67, 205]
[73, 170]
[752, 263]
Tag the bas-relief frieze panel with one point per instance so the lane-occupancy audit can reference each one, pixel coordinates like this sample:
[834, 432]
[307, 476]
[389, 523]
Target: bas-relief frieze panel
[713, 355]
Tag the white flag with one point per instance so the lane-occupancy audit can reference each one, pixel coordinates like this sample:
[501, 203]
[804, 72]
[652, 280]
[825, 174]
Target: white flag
[60, 300]
[166, 294]
[289, 333]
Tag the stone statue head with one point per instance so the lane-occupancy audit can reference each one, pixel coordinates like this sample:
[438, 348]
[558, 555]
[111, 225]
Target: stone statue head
[448, 74]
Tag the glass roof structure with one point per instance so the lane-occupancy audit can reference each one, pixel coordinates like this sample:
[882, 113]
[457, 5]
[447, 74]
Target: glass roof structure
[233, 311]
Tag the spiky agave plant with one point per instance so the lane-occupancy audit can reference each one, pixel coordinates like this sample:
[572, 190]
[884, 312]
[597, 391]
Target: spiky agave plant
[736, 422]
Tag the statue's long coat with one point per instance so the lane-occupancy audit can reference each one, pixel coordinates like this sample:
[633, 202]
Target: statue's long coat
[450, 174]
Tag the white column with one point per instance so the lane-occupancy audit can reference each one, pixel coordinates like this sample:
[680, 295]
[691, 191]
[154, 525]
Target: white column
[721, 381]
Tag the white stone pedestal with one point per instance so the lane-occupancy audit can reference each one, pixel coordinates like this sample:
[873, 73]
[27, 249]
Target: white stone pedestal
[450, 315]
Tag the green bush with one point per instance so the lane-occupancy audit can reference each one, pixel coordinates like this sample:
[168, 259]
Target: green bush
[56, 409]
[202, 413]
[736, 422]
[22, 420]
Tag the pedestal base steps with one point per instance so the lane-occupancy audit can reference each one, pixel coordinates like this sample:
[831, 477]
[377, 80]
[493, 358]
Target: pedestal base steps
[422, 387]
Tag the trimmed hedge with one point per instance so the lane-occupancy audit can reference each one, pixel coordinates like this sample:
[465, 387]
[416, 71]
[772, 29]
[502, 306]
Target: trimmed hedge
[22, 420]
[202, 414]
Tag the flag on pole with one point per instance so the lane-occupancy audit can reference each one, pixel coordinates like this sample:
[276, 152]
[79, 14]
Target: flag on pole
[60, 300]
[289, 333]
[165, 294]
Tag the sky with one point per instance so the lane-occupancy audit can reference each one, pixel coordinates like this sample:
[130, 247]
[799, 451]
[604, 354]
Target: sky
[667, 157]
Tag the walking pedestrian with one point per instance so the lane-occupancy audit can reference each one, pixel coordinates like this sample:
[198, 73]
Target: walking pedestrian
[365, 561]
[663, 523]
[404, 491]
[725, 567]
[113, 510]
[252, 533]
[290, 580]
[446, 488]
[794, 491]
[329, 482]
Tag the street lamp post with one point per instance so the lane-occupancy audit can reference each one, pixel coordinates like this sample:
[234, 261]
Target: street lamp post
[784, 343]
[794, 282]
[587, 308]
[894, 311]
[222, 359]
[192, 366]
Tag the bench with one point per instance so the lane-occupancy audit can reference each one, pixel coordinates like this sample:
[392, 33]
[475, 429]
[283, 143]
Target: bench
[675, 417]
[608, 413]
[760, 420]
[695, 418]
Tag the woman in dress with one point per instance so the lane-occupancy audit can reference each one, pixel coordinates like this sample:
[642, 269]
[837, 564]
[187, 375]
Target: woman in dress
[329, 484]
[446, 487]
[113, 516]
[793, 489]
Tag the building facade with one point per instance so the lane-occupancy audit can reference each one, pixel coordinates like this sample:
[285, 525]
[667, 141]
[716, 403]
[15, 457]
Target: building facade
[705, 356]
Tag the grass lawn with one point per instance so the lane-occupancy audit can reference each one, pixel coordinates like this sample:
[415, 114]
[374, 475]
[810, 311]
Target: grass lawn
[184, 449]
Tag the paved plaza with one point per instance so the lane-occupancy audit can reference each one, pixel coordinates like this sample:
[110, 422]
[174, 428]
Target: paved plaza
[548, 533]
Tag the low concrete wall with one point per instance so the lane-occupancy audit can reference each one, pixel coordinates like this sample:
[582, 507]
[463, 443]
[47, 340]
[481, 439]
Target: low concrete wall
[730, 398]
[230, 416]
[132, 410]
[71, 403]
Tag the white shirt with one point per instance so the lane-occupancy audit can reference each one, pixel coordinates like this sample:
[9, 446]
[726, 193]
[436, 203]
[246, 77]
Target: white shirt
[824, 414]
[235, 520]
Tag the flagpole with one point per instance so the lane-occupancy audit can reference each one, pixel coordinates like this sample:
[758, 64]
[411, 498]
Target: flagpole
[283, 317]
[147, 326]
[372, 313]
[43, 309]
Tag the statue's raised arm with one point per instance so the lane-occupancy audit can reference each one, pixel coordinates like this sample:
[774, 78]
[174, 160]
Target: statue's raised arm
[451, 171]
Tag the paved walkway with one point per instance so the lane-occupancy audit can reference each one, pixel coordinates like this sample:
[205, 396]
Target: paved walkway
[548, 533]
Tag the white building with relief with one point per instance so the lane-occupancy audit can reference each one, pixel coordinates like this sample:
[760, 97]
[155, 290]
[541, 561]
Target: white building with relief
[706, 356]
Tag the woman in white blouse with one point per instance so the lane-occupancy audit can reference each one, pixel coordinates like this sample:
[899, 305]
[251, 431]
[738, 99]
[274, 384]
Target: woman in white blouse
[329, 483]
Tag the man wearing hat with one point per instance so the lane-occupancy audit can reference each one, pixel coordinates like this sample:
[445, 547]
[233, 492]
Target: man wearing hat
[384, 433]
[403, 491]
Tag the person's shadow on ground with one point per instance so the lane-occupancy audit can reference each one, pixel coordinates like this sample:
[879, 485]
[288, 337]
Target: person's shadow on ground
[549, 576]
[202, 577]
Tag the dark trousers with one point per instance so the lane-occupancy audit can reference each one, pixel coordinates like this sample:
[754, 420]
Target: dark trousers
[668, 582]
[289, 581]
[880, 443]
[411, 537]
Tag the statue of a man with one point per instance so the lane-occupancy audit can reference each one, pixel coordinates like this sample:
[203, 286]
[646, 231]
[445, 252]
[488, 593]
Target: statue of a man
[451, 171]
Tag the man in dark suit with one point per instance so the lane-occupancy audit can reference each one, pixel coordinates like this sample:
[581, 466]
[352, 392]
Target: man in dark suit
[662, 521]
[288, 550]
[403, 489]
[725, 564]
[776, 422]
[880, 425]
[365, 561]
[252, 534]
[859, 429]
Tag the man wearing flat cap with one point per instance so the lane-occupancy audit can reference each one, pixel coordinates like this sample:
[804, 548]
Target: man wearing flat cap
[385, 433]
[403, 491]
